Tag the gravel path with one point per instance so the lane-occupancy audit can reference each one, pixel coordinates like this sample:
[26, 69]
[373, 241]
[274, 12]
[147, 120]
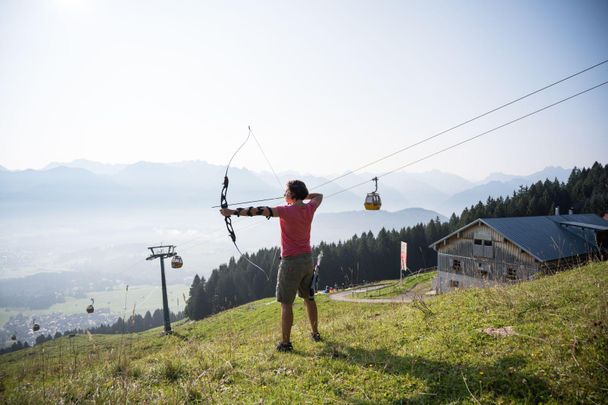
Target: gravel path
[404, 298]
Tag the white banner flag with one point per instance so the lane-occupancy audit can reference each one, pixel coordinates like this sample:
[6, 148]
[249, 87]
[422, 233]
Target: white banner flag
[403, 255]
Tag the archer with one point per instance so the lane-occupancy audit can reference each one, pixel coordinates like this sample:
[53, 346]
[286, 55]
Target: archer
[296, 267]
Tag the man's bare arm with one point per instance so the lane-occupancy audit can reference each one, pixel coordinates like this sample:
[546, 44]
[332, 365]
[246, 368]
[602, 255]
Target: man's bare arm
[318, 197]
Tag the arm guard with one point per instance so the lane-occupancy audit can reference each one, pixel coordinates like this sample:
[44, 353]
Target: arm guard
[261, 211]
[249, 211]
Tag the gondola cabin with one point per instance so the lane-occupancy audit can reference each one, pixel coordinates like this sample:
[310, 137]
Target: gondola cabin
[91, 308]
[35, 327]
[373, 201]
[14, 337]
[177, 262]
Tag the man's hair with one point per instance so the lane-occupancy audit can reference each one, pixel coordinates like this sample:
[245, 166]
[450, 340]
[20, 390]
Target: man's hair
[297, 189]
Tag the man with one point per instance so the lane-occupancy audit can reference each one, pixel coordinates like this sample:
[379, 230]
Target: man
[296, 267]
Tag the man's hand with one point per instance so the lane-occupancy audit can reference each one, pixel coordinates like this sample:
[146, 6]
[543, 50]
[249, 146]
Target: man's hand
[226, 212]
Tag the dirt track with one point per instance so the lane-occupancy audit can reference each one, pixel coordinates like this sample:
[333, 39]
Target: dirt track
[404, 298]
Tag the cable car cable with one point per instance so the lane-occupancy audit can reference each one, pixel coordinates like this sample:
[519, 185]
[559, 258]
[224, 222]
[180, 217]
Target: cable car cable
[437, 134]
[473, 137]
[462, 123]
[470, 139]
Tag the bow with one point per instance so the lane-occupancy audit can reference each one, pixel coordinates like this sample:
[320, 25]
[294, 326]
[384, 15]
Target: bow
[224, 204]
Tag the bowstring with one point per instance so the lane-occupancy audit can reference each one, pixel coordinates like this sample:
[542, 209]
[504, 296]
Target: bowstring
[274, 257]
[228, 220]
[266, 157]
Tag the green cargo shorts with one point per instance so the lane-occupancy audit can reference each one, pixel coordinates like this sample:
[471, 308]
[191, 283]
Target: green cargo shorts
[295, 274]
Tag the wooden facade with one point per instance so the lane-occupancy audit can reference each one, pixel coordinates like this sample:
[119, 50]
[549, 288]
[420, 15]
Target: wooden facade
[505, 250]
[479, 256]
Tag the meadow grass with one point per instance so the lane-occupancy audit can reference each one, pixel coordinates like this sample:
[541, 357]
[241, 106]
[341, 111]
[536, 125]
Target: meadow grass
[370, 354]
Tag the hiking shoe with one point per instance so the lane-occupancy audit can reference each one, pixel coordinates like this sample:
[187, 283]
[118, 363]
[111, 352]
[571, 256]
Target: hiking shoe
[284, 347]
[315, 336]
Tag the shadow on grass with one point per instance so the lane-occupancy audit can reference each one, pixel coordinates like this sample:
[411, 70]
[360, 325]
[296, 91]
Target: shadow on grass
[445, 381]
[179, 336]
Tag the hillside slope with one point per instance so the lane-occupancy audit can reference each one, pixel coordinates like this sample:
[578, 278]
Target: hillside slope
[371, 353]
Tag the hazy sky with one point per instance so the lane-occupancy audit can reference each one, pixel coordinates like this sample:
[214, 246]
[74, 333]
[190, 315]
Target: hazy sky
[326, 85]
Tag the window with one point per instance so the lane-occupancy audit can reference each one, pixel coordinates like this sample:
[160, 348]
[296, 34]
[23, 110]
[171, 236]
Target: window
[456, 265]
[484, 242]
[477, 248]
[511, 273]
[482, 245]
[454, 283]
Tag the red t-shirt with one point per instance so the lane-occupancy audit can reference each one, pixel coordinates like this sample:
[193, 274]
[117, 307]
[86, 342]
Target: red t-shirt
[295, 228]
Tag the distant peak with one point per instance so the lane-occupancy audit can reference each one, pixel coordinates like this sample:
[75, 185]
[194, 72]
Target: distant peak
[89, 165]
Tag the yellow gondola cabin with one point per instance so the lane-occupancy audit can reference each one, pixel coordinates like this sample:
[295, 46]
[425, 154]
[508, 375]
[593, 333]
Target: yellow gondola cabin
[373, 201]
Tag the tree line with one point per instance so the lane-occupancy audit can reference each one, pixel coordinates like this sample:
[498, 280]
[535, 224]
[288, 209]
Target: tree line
[586, 191]
[18, 345]
[135, 323]
[368, 257]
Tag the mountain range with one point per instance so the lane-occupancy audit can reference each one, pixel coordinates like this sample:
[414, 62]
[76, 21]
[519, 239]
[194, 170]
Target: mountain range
[197, 184]
[95, 217]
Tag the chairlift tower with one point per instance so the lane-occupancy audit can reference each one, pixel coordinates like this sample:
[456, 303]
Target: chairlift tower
[163, 252]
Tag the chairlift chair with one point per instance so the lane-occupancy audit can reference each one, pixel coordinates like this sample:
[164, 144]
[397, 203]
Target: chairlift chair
[91, 308]
[373, 201]
[177, 262]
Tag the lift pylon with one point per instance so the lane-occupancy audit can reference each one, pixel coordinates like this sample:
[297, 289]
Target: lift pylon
[162, 253]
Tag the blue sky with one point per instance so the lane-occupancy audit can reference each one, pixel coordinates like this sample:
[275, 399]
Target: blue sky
[326, 86]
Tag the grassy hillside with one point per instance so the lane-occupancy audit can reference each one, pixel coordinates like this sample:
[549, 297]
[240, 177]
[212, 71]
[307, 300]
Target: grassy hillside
[371, 353]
